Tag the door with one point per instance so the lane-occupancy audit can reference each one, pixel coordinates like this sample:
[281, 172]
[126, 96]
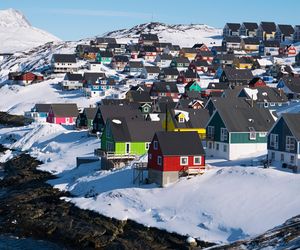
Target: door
[127, 148]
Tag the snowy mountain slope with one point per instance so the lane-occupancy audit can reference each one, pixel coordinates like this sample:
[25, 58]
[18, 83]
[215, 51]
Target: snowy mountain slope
[17, 34]
[183, 35]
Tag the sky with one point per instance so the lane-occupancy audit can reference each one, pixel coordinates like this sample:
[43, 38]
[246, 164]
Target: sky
[77, 19]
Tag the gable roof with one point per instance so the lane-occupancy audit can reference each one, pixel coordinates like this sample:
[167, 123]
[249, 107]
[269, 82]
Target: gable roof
[237, 74]
[250, 26]
[73, 77]
[205, 53]
[179, 143]
[233, 26]
[251, 40]
[293, 120]
[267, 94]
[140, 96]
[232, 39]
[286, 29]
[64, 58]
[135, 64]
[293, 83]
[149, 37]
[165, 87]
[90, 112]
[65, 110]
[152, 69]
[268, 27]
[170, 71]
[165, 57]
[105, 40]
[181, 59]
[271, 43]
[105, 53]
[93, 76]
[42, 107]
[120, 58]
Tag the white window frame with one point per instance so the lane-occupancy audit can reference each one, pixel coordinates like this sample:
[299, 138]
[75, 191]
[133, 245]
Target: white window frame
[159, 160]
[147, 145]
[200, 160]
[182, 158]
[225, 148]
[274, 141]
[224, 134]
[181, 119]
[289, 143]
[155, 145]
[252, 134]
[210, 131]
[263, 134]
[292, 159]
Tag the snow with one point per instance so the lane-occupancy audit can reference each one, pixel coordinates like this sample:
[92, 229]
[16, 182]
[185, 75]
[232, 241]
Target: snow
[16, 33]
[251, 93]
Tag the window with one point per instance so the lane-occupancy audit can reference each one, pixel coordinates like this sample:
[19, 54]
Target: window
[197, 160]
[217, 146]
[210, 132]
[184, 160]
[252, 135]
[210, 145]
[266, 104]
[155, 145]
[292, 159]
[67, 120]
[262, 134]
[274, 141]
[159, 160]
[272, 104]
[224, 134]
[225, 148]
[289, 143]
[147, 144]
[181, 119]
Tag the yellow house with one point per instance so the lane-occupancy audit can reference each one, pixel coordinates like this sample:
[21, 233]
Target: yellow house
[190, 53]
[186, 120]
[243, 63]
[250, 44]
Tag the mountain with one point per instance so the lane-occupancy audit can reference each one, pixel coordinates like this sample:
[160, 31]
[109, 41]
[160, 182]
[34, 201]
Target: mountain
[179, 34]
[17, 34]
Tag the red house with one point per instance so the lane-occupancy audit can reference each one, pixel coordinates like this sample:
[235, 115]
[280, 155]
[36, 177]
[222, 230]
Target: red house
[63, 113]
[205, 56]
[25, 78]
[289, 50]
[188, 76]
[257, 82]
[173, 154]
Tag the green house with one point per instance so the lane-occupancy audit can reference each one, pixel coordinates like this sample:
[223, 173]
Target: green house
[123, 136]
[193, 86]
[85, 119]
[237, 129]
[104, 57]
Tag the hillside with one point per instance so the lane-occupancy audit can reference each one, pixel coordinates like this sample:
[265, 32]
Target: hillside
[17, 34]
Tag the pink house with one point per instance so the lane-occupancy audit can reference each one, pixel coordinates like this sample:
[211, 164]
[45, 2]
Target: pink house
[63, 113]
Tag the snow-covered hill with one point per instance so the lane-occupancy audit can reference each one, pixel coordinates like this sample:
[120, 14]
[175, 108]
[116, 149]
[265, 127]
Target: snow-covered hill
[17, 34]
[180, 34]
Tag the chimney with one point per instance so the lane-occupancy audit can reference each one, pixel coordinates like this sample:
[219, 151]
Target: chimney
[251, 101]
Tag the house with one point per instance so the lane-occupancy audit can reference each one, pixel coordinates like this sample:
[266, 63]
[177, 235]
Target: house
[174, 50]
[248, 29]
[250, 44]
[161, 46]
[284, 32]
[90, 78]
[218, 50]
[162, 89]
[257, 82]
[148, 39]
[72, 81]
[116, 48]
[85, 119]
[269, 48]
[290, 86]
[266, 31]
[189, 53]
[148, 52]
[188, 76]
[162, 104]
[95, 66]
[181, 63]
[235, 77]
[231, 29]
[296, 35]
[231, 43]
[244, 62]
[200, 47]
[63, 113]
[25, 78]
[123, 137]
[214, 89]
[199, 66]
[284, 141]
[174, 154]
[206, 55]
[39, 112]
[104, 57]
[133, 50]
[134, 68]
[193, 86]
[186, 120]
[114, 110]
[168, 74]
[102, 42]
[237, 130]
[150, 72]
[90, 53]
[288, 50]
[163, 60]
[224, 59]
[119, 62]
[64, 63]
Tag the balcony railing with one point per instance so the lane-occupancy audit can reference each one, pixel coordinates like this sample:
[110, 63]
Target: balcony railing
[114, 155]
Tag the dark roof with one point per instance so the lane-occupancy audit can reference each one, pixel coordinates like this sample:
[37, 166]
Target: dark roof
[267, 94]
[250, 26]
[190, 74]
[293, 120]
[245, 59]
[232, 39]
[198, 45]
[148, 48]
[165, 57]
[201, 63]
[293, 83]
[149, 37]
[41, 107]
[65, 109]
[181, 59]
[64, 58]
[164, 87]
[125, 130]
[105, 40]
[90, 112]
[217, 85]
[233, 26]
[152, 69]
[90, 49]
[189, 50]
[238, 115]
[286, 29]
[170, 71]
[251, 40]
[93, 77]
[225, 57]
[140, 96]
[120, 58]
[106, 53]
[163, 45]
[114, 101]
[135, 64]
[73, 77]
[271, 43]
[180, 143]
[238, 74]
[205, 53]
[268, 27]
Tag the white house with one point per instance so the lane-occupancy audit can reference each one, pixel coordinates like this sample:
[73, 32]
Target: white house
[63, 63]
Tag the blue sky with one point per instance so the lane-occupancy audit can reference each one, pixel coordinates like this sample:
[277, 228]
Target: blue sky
[76, 19]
